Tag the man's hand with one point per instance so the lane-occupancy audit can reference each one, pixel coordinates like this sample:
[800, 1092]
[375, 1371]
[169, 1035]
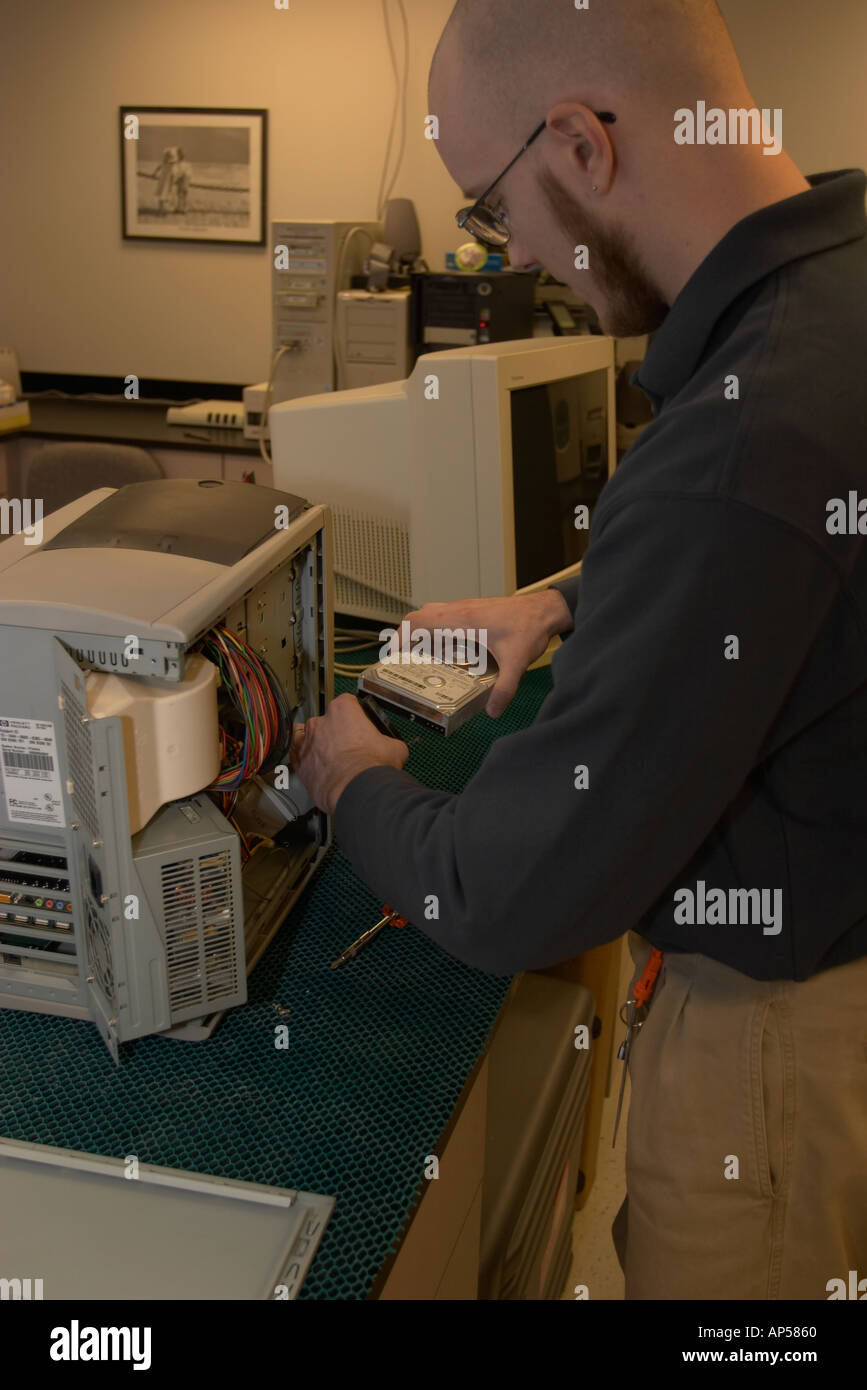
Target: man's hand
[328, 751]
[519, 629]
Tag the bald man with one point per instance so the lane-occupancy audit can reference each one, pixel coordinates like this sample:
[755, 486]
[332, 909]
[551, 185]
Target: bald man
[712, 679]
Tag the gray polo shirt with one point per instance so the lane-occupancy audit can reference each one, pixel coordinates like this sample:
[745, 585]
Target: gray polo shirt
[699, 771]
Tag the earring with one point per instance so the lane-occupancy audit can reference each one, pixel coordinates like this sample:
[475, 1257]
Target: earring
[596, 188]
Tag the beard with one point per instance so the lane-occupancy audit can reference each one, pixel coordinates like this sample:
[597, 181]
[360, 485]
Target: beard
[633, 303]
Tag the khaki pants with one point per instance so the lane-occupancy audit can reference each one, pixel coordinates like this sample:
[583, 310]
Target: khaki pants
[768, 1081]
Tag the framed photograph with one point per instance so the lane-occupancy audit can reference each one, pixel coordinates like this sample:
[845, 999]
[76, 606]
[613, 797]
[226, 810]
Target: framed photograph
[192, 173]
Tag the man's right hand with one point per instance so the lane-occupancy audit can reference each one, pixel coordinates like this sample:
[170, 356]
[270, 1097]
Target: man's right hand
[518, 630]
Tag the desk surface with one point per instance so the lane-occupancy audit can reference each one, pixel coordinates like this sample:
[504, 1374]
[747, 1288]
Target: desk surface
[124, 422]
[379, 1051]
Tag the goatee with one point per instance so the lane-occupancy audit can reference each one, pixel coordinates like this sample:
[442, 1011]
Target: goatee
[633, 303]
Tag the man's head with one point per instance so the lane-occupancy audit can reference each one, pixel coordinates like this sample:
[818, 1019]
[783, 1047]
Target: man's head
[647, 209]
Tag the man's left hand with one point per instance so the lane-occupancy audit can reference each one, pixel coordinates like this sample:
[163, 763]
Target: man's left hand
[329, 750]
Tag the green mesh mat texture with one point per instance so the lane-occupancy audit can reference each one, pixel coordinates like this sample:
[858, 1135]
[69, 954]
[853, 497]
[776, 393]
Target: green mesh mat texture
[379, 1051]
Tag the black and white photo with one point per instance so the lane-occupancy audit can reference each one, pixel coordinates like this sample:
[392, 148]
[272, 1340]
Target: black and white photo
[193, 174]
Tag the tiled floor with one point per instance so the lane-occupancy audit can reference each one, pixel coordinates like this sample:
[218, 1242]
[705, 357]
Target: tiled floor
[595, 1262]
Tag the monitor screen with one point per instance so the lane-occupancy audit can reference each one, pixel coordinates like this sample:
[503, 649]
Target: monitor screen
[559, 463]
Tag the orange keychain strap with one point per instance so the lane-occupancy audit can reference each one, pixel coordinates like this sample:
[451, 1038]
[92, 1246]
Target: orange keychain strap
[644, 986]
[396, 921]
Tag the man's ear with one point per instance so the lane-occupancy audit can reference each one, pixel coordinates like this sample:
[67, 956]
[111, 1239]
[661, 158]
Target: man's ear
[584, 141]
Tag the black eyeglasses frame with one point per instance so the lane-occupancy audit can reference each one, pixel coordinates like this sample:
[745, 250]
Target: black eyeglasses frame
[465, 215]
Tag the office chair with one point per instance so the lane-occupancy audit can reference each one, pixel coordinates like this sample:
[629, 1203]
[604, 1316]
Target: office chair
[59, 473]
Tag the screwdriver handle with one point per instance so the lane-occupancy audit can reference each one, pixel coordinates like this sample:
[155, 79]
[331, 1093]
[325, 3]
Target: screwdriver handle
[393, 917]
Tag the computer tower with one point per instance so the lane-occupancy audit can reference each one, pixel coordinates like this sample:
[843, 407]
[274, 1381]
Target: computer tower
[127, 895]
[310, 263]
[465, 308]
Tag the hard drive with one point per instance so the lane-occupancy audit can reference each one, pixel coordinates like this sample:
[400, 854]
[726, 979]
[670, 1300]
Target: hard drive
[441, 696]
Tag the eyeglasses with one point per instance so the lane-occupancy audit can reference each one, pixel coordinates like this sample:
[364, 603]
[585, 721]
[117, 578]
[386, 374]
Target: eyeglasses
[488, 225]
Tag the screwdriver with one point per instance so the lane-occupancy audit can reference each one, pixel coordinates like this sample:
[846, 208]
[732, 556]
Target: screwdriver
[390, 916]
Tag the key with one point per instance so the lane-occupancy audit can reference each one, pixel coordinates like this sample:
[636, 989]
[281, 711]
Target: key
[390, 916]
[636, 1012]
[635, 1016]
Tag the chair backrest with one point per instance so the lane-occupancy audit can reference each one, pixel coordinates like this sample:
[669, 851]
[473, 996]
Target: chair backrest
[58, 473]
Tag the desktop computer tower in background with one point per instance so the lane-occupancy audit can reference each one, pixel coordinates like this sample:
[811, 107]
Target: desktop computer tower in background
[463, 309]
[310, 263]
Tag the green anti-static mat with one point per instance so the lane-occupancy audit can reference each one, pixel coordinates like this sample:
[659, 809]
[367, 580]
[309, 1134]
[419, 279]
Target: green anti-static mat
[378, 1054]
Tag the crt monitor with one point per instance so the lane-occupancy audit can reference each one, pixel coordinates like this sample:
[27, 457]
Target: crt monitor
[466, 479]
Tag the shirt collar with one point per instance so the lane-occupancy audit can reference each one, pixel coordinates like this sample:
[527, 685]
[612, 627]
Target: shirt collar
[830, 213]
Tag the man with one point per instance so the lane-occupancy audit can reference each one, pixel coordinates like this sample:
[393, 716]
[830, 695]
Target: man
[713, 681]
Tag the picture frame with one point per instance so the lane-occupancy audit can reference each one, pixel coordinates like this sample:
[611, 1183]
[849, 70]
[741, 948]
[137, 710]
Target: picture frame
[193, 173]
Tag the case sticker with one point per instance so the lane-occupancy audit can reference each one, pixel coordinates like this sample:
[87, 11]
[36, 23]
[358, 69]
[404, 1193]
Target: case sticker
[31, 780]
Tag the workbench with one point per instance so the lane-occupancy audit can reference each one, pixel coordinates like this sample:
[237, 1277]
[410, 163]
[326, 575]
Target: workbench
[384, 1068]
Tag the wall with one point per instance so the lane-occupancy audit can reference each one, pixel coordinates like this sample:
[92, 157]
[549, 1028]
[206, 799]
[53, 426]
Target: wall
[810, 59]
[80, 299]
[84, 300]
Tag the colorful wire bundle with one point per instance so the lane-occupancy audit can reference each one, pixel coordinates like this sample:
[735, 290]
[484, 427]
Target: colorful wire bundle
[262, 707]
